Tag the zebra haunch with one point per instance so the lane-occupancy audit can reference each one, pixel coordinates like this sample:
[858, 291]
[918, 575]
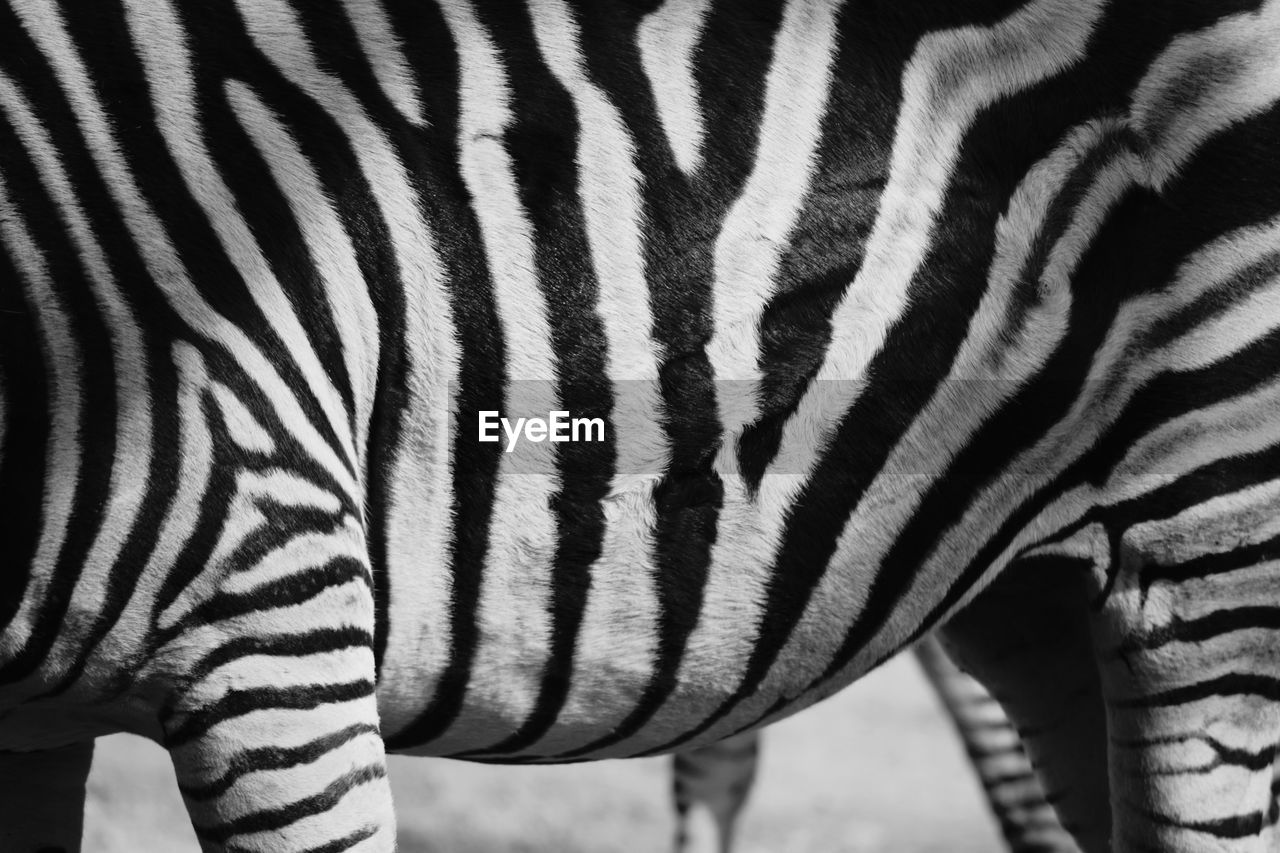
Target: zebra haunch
[888, 309]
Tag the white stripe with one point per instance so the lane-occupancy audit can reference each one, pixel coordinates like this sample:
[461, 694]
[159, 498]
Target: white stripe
[417, 520]
[148, 233]
[514, 598]
[966, 400]
[161, 45]
[262, 670]
[617, 639]
[242, 426]
[1242, 47]
[266, 728]
[365, 804]
[1114, 377]
[303, 554]
[278, 785]
[953, 75]
[747, 254]
[986, 373]
[328, 245]
[385, 53]
[62, 359]
[668, 38]
[244, 518]
[759, 225]
[131, 457]
[1237, 427]
[992, 62]
[127, 638]
[1219, 525]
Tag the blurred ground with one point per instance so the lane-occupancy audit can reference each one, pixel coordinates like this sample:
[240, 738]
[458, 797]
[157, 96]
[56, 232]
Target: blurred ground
[876, 768]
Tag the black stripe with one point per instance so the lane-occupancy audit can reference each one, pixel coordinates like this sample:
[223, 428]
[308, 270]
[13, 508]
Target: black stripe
[542, 144]
[95, 432]
[997, 154]
[1234, 826]
[239, 702]
[1138, 250]
[288, 591]
[259, 199]
[27, 426]
[275, 758]
[268, 820]
[682, 215]
[24, 372]
[332, 36]
[830, 236]
[1231, 684]
[116, 67]
[433, 161]
[30, 70]
[1020, 425]
[346, 842]
[279, 645]
[1124, 258]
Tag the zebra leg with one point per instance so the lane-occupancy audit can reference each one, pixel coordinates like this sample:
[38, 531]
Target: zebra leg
[290, 762]
[710, 785]
[1027, 820]
[1191, 677]
[1027, 639]
[42, 799]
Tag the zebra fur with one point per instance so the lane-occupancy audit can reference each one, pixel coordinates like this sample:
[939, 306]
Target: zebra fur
[905, 318]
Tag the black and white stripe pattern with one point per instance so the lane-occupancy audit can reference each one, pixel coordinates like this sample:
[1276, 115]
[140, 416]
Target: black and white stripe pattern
[880, 303]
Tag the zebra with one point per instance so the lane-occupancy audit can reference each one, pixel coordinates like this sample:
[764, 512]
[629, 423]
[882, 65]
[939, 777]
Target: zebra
[711, 785]
[896, 316]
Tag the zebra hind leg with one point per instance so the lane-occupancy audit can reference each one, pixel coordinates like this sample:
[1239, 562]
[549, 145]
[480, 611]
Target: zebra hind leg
[42, 799]
[1027, 639]
[1190, 668]
[288, 760]
[710, 785]
[1014, 794]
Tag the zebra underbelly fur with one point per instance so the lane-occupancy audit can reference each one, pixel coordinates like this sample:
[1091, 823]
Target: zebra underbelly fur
[876, 308]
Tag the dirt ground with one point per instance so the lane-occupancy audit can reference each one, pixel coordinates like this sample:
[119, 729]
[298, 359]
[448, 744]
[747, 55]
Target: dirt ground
[876, 768]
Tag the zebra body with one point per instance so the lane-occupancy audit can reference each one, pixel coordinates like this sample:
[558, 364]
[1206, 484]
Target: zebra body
[880, 305]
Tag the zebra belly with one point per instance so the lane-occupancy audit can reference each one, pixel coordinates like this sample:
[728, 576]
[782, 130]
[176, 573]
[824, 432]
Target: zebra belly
[38, 727]
[515, 681]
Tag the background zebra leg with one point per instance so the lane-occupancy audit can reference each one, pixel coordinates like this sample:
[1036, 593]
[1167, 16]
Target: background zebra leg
[42, 799]
[298, 769]
[710, 785]
[1027, 639]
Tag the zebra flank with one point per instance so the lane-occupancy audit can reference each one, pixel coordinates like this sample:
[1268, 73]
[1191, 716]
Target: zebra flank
[895, 317]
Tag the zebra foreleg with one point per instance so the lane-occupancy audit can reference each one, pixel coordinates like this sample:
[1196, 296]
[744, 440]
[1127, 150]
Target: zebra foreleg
[1027, 639]
[710, 786]
[42, 799]
[293, 764]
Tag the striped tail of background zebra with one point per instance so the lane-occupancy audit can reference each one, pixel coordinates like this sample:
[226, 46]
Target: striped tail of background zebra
[710, 786]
